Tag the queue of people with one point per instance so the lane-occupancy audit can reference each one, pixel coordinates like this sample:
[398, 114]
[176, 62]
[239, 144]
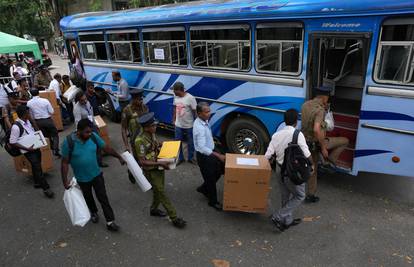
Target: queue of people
[82, 150]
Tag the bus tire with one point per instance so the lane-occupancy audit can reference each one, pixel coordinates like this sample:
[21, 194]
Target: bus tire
[110, 111]
[246, 136]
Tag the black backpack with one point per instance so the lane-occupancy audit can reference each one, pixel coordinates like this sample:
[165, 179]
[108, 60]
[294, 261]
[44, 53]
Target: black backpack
[295, 165]
[11, 149]
[71, 145]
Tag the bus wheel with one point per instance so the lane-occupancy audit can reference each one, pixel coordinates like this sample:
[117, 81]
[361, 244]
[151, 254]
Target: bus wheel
[109, 110]
[246, 136]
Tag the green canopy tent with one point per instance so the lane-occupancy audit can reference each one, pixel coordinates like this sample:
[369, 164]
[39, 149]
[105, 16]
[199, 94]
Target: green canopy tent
[12, 44]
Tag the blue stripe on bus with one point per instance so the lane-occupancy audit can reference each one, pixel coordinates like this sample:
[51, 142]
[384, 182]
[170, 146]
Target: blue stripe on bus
[170, 82]
[369, 152]
[384, 115]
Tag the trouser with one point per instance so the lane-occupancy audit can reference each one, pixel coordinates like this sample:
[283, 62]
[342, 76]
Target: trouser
[35, 159]
[156, 178]
[48, 128]
[98, 185]
[182, 134]
[211, 169]
[292, 196]
[336, 145]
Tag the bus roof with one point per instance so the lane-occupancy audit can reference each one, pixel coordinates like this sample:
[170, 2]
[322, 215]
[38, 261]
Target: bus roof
[231, 10]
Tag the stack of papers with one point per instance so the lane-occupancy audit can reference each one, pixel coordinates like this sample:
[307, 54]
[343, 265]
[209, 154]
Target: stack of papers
[169, 153]
[36, 139]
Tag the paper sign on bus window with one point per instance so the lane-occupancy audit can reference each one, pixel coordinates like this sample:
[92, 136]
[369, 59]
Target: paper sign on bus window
[159, 53]
[89, 48]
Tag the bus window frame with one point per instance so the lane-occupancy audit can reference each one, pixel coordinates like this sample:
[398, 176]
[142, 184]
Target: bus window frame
[221, 27]
[378, 57]
[262, 25]
[145, 47]
[93, 42]
[130, 42]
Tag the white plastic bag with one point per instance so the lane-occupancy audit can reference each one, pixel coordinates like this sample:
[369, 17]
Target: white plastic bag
[71, 93]
[136, 171]
[75, 205]
[329, 120]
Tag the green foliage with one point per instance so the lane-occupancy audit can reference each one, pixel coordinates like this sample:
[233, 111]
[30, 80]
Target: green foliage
[95, 5]
[24, 17]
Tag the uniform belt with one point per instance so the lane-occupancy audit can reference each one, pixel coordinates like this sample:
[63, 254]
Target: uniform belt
[42, 119]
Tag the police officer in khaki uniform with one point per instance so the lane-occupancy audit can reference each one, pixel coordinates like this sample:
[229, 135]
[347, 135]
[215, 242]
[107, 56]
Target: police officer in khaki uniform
[43, 78]
[130, 126]
[147, 149]
[314, 129]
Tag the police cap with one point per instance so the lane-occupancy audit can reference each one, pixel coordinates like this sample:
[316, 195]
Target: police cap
[324, 90]
[136, 92]
[147, 119]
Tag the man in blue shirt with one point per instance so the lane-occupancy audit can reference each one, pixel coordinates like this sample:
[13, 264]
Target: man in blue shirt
[211, 163]
[80, 151]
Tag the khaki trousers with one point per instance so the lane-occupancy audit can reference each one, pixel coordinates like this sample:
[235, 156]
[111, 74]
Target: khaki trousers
[335, 145]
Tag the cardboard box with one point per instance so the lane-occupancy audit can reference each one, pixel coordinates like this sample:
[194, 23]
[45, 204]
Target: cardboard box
[169, 153]
[57, 119]
[51, 96]
[102, 129]
[246, 183]
[23, 165]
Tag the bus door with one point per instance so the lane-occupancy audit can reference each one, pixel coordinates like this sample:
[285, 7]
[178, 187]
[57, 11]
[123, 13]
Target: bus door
[339, 60]
[385, 141]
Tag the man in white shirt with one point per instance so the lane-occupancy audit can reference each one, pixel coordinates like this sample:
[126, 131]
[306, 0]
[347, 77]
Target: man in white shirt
[183, 118]
[123, 89]
[4, 101]
[292, 195]
[55, 86]
[12, 85]
[41, 111]
[34, 156]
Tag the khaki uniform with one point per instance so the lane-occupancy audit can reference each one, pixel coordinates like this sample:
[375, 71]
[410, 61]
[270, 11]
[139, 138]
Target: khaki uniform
[42, 80]
[148, 147]
[313, 111]
[129, 116]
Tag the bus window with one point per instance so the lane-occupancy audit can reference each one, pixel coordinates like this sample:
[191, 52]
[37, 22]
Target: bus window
[279, 47]
[221, 47]
[124, 46]
[165, 46]
[93, 46]
[395, 60]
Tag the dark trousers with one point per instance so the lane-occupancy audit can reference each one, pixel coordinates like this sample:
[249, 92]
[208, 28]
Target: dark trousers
[211, 169]
[35, 159]
[48, 128]
[98, 185]
[185, 135]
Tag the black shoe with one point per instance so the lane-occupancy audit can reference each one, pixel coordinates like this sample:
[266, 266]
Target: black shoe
[295, 222]
[94, 217]
[216, 205]
[179, 223]
[180, 162]
[158, 213]
[279, 225]
[49, 193]
[311, 199]
[131, 178]
[113, 227]
[193, 161]
[103, 165]
[201, 190]
[37, 186]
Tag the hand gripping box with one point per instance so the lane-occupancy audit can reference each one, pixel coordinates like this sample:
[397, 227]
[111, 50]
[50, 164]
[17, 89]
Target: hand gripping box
[246, 183]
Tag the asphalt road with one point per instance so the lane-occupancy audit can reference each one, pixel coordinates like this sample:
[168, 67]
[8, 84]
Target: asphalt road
[360, 221]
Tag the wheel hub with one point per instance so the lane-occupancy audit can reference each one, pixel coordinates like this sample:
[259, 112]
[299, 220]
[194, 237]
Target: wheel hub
[247, 142]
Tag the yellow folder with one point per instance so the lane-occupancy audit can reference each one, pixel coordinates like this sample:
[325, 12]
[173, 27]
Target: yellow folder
[169, 149]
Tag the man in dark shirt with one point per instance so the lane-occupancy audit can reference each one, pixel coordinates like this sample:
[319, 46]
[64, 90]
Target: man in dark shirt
[92, 98]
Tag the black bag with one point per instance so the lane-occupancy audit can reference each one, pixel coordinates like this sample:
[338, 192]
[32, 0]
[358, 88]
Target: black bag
[295, 165]
[71, 145]
[11, 149]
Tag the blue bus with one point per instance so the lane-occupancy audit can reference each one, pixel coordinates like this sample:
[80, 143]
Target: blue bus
[252, 60]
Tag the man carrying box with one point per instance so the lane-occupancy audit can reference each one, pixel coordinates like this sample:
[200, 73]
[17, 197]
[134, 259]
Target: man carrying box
[34, 156]
[211, 163]
[147, 149]
[292, 194]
